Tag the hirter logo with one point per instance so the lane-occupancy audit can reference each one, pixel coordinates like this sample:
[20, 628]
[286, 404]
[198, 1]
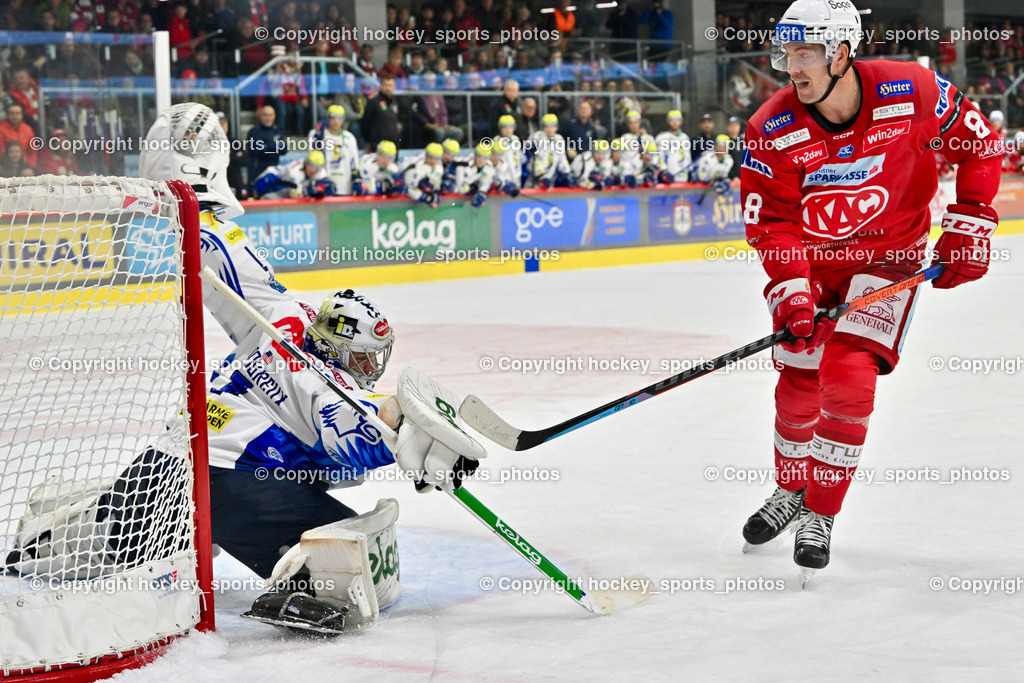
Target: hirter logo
[835, 214]
[809, 154]
[776, 122]
[885, 133]
[894, 88]
[381, 329]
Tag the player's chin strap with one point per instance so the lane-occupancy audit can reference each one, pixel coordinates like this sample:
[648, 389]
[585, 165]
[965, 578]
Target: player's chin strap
[835, 79]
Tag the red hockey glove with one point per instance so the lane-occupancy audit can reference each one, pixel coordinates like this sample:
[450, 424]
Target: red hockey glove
[964, 244]
[793, 303]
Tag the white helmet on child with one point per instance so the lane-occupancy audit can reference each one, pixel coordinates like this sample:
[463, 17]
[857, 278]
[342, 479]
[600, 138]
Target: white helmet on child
[823, 22]
[350, 334]
[187, 143]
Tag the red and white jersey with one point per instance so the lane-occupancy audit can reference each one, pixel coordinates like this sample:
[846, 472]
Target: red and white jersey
[824, 197]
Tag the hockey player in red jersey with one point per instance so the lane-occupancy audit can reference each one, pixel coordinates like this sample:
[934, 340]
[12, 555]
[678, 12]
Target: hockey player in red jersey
[836, 183]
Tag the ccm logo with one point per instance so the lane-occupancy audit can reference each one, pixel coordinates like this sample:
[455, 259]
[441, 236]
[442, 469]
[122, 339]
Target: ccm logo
[955, 223]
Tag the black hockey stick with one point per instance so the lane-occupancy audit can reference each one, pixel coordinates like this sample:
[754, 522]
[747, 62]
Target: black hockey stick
[481, 418]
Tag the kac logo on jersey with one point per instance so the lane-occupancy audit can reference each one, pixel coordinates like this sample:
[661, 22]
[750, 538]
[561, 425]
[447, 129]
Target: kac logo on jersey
[835, 214]
[776, 122]
[845, 152]
[850, 173]
[942, 106]
[894, 88]
[748, 161]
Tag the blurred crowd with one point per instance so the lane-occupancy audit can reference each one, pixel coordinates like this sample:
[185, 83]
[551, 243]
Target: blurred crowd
[404, 98]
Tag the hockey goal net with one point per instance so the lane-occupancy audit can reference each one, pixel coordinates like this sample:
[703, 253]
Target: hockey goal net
[104, 494]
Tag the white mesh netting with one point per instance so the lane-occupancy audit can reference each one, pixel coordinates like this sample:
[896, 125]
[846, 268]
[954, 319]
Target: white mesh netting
[96, 475]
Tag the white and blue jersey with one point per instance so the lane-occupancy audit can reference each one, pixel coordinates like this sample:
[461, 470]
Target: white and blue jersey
[263, 409]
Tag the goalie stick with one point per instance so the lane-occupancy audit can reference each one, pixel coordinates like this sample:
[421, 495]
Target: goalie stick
[480, 417]
[596, 601]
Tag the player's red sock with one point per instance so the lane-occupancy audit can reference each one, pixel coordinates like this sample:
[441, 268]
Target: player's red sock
[796, 413]
[847, 374]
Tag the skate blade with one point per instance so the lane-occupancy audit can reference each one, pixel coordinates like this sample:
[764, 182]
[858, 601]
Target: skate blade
[806, 573]
[310, 630]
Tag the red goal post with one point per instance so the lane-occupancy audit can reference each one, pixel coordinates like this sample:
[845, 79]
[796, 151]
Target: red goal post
[104, 481]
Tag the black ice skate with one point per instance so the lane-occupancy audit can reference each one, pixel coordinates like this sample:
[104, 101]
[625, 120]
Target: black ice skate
[294, 609]
[779, 511]
[813, 536]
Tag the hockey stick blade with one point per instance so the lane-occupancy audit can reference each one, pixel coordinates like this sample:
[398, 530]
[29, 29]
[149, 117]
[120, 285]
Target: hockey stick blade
[482, 418]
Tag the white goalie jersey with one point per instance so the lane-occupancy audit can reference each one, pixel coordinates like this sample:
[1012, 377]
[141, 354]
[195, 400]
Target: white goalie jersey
[262, 409]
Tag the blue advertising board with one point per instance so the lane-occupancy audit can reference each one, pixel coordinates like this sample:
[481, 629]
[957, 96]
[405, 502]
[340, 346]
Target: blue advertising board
[284, 238]
[570, 222]
[679, 218]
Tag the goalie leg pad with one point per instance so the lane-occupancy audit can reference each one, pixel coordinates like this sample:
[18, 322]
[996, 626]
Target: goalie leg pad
[352, 563]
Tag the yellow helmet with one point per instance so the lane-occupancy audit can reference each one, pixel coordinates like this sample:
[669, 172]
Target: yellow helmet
[502, 145]
[451, 146]
[618, 145]
[434, 149]
[506, 120]
[600, 146]
[336, 110]
[387, 148]
[723, 139]
[549, 120]
[675, 114]
[632, 114]
[485, 148]
[316, 158]
[649, 147]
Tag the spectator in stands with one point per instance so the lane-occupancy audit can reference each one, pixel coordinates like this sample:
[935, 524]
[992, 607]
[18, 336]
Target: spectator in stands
[564, 18]
[265, 143]
[660, 21]
[741, 88]
[417, 67]
[129, 68]
[529, 122]
[14, 129]
[253, 53]
[74, 61]
[355, 106]
[737, 143]
[16, 16]
[381, 122]
[394, 67]
[25, 91]
[21, 57]
[365, 60]
[508, 103]
[61, 11]
[580, 132]
[705, 142]
[180, 31]
[56, 158]
[430, 117]
[624, 23]
[466, 24]
[13, 164]
[199, 63]
[237, 160]
[286, 89]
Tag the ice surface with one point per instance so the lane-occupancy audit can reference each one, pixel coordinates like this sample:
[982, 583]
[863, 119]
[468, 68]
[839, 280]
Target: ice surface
[633, 495]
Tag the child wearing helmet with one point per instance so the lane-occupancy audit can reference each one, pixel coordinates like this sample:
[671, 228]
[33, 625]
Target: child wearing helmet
[422, 180]
[305, 177]
[549, 165]
[341, 151]
[378, 172]
[674, 146]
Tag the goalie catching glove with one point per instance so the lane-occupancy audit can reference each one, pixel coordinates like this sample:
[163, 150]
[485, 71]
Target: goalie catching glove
[432, 445]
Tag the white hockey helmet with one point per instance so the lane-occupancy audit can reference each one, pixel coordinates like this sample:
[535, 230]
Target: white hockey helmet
[823, 22]
[187, 143]
[350, 334]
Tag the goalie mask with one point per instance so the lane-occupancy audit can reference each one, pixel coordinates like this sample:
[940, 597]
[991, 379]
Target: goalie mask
[187, 143]
[350, 334]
